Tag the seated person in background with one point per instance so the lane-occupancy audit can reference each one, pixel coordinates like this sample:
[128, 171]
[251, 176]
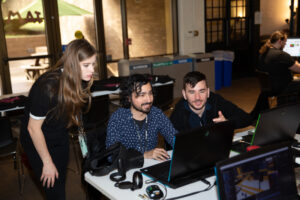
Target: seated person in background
[200, 107]
[279, 65]
[138, 123]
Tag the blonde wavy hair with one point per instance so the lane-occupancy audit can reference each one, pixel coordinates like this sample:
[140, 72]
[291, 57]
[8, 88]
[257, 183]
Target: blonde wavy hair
[277, 35]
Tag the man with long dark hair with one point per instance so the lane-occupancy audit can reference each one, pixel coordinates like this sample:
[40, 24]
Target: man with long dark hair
[138, 123]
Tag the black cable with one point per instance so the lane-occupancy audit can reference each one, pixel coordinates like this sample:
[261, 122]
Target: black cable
[193, 193]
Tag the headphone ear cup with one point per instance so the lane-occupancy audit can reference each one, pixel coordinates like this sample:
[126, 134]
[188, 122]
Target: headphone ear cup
[137, 181]
[117, 177]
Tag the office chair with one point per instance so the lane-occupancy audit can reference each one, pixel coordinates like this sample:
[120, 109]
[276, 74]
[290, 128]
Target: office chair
[278, 99]
[265, 87]
[9, 147]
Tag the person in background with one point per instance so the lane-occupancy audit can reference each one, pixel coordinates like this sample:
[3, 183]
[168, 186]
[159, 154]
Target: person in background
[279, 65]
[55, 103]
[138, 123]
[199, 106]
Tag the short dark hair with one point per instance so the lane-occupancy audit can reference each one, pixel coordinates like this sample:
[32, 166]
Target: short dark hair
[132, 84]
[193, 78]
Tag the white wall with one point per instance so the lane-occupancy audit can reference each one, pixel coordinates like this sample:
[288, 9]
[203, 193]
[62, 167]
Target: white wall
[190, 20]
[274, 13]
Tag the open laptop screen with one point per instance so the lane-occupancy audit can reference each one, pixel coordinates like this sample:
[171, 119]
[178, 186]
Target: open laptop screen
[292, 47]
[277, 125]
[265, 173]
[194, 156]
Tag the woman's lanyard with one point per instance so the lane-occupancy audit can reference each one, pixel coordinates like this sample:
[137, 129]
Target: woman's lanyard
[82, 137]
[138, 131]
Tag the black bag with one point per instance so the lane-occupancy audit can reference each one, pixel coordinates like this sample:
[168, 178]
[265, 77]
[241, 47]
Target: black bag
[106, 161]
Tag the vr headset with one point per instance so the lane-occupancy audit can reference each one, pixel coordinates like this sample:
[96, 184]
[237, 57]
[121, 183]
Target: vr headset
[115, 157]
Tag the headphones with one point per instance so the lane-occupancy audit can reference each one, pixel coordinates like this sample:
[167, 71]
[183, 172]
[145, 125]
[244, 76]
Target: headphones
[137, 181]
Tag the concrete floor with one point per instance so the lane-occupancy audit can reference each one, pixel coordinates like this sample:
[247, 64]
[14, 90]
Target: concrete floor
[243, 92]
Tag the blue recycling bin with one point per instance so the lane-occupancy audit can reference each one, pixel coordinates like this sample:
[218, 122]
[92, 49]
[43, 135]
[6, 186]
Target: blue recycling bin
[223, 68]
[64, 46]
[218, 56]
[228, 57]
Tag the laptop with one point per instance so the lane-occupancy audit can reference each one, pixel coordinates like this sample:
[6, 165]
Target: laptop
[195, 153]
[265, 173]
[274, 125]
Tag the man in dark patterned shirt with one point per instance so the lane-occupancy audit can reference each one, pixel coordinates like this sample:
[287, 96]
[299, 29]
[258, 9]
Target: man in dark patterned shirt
[138, 123]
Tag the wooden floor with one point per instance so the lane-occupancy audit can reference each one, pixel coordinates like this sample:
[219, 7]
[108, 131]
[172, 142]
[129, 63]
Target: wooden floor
[243, 92]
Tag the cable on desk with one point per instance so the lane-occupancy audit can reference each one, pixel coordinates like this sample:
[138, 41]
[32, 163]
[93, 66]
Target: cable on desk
[193, 193]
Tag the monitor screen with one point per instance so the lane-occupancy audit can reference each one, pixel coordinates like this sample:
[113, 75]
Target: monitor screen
[292, 47]
[266, 174]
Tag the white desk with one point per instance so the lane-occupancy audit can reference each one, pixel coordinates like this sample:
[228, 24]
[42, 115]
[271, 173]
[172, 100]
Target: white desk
[106, 186]
[117, 91]
[2, 112]
[94, 94]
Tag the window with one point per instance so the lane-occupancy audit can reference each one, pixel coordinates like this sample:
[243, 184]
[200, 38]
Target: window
[215, 14]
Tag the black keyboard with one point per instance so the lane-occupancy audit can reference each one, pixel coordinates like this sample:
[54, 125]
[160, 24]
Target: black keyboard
[164, 169]
[240, 147]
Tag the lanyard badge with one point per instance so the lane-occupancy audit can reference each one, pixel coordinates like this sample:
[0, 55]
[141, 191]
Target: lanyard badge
[82, 142]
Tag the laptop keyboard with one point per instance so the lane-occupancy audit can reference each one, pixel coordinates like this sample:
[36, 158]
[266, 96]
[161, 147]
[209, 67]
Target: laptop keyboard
[165, 168]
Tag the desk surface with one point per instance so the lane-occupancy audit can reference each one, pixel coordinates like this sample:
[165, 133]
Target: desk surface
[106, 186]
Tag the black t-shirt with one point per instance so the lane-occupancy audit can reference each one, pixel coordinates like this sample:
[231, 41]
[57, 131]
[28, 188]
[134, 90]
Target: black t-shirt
[41, 104]
[277, 63]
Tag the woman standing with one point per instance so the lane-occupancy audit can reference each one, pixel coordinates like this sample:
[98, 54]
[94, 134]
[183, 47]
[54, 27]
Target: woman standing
[55, 104]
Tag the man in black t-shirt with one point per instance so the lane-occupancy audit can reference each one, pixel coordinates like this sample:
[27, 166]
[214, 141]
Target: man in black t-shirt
[280, 66]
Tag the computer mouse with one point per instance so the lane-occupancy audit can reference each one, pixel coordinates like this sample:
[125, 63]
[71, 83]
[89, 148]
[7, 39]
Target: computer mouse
[154, 192]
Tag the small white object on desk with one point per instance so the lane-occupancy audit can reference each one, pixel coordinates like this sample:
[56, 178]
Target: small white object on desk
[297, 160]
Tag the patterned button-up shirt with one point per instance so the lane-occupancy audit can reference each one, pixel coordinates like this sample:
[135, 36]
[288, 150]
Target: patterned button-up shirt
[122, 128]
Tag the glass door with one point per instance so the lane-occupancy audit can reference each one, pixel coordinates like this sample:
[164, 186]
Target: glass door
[215, 23]
[149, 25]
[137, 28]
[27, 53]
[76, 21]
[227, 23]
[112, 20]
[239, 22]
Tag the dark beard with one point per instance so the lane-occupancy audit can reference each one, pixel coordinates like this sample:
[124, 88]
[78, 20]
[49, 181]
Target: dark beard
[140, 110]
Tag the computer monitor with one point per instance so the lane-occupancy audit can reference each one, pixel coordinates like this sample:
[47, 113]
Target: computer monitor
[266, 174]
[292, 47]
